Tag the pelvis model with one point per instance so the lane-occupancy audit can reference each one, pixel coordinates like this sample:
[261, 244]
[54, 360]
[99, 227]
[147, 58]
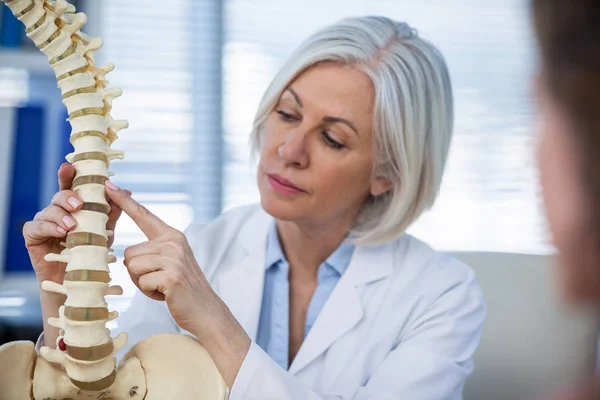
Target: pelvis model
[83, 365]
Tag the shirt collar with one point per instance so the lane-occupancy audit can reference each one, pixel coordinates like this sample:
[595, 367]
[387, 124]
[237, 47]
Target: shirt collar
[274, 251]
[338, 260]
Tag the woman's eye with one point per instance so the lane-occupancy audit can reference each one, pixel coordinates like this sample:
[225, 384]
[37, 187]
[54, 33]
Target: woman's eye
[329, 141]
[284, 116]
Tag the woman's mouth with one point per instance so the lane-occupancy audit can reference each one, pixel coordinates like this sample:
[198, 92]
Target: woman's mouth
[283, 185]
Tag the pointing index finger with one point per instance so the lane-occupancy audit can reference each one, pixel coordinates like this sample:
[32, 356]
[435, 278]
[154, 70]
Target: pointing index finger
[150, 224]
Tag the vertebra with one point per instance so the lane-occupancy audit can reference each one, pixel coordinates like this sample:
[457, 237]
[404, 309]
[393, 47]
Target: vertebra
[160, 367]
[88, 350]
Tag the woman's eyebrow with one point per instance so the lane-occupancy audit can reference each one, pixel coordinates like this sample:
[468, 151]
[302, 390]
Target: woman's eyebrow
[343, 121]
[293, 92]
[326, 119]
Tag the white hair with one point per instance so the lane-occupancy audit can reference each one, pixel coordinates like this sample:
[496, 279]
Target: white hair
[413, 113]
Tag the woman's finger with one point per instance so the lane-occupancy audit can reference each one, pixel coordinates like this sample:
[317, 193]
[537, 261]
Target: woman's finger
[152, 226]
[152, 285]
[66, 174]
[68, 200]
[58, 216]
[111, 224]
[115, 213]
[141, 249]
[36, 232]
[141, 265]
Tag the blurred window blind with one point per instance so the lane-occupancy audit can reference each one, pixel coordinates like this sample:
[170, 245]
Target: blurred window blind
[489, 198]
[14, 86]
[168, 63]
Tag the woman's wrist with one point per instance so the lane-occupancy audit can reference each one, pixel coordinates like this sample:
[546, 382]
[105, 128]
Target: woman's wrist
[209, 326]
[225, 340]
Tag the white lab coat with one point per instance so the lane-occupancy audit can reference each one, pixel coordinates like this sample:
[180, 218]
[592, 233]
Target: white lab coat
[402, 323]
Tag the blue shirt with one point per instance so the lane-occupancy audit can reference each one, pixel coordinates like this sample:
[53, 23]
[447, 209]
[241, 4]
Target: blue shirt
[274, 323]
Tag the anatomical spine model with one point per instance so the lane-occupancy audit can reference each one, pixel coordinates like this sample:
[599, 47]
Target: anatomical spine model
[83, 365]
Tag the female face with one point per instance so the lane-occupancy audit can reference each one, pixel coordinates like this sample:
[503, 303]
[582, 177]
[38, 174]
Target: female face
[566, 204]
[317, 148]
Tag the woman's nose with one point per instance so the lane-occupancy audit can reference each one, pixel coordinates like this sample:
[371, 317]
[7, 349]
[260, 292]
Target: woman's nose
[293, 149]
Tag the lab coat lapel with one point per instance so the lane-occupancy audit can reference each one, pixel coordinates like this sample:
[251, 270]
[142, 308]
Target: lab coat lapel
[241, 283]
[343, 310]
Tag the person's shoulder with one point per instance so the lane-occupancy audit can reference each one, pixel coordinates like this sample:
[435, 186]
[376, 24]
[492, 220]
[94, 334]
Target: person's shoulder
[434, 272]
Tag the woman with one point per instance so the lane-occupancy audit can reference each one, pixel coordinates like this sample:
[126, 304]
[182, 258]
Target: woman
[317, 293]
[568, 92]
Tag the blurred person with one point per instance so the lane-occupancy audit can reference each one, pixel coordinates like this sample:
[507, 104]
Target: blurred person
[568, 94]
[318, 292]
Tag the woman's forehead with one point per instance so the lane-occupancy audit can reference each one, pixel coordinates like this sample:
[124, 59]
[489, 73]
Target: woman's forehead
[333, 89]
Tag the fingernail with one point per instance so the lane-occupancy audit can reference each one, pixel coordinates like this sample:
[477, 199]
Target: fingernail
[111, 185]
[69, 222]
[74, 202]
[61, 230]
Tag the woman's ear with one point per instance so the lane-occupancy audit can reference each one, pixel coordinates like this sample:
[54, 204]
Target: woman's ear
[380, 185]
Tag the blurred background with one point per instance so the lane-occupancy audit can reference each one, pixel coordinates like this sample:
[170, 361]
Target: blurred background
[193, 72]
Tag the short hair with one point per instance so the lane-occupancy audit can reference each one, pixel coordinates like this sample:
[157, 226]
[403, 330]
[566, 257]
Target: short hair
[413, 113]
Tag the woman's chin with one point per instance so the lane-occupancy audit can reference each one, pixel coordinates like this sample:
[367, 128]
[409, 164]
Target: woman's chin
[280, 209]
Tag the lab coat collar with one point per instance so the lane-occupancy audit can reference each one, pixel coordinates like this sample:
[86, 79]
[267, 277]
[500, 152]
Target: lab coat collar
[344, 309]
[241, 287]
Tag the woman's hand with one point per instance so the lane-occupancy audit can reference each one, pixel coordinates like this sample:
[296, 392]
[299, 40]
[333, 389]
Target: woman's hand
[164, 268]
[49, 227]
